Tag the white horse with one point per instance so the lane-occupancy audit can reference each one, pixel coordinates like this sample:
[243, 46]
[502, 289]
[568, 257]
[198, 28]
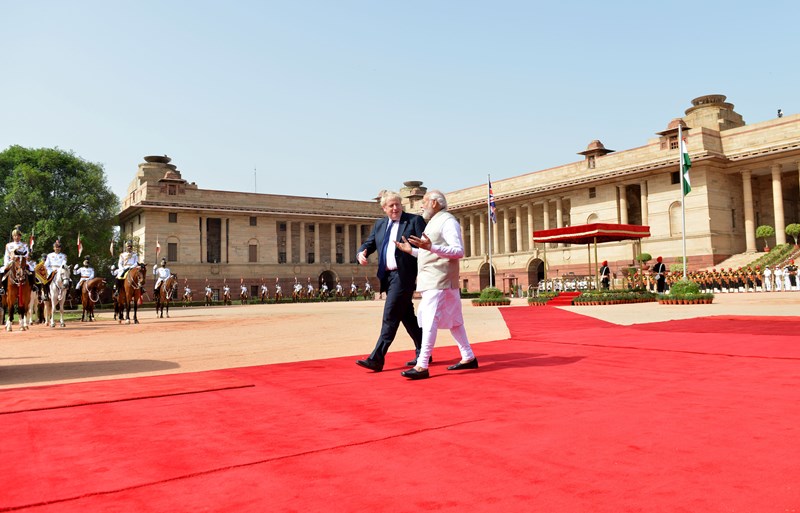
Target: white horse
[58, 294]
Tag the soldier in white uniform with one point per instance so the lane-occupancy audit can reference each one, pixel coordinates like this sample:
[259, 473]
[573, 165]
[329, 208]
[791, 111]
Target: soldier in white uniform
[353, 288]
[767, 279]
[128, 259]
[243, 290]
[264, 290]
[278, 290]
[226, 290]
[162, 274]
[209, 292]
[339, 291]
[310, 288]
[14, 248]
[187, 291]
[86, 273]
[52, 262]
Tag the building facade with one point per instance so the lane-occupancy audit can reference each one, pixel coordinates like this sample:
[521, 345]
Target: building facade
[742, 176]
[218, 237]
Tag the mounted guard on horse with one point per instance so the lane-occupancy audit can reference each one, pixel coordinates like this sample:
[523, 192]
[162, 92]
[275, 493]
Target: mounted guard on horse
[165, 288]
[17, 278]
[130, 279]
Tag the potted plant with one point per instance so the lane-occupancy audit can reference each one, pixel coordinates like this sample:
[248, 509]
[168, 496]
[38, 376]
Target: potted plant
[491, 296]
[793, 230]
[764, 232]
[685, 292]
[643, 258]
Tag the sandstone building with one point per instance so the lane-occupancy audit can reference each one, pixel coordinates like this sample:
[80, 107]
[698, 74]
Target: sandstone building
[742, 176]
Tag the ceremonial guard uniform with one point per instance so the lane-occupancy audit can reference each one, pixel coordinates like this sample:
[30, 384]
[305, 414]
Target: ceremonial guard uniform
[128, 259]
[187, 291]
[16, 248]
[86, 273]
[605, 275]
[162, 273]
[264, 290]
[778, 273]
[792, 270]
[243, 290]
[54, 260]
[660, 275]
[310, 288]
[767, 279]
[209, 291]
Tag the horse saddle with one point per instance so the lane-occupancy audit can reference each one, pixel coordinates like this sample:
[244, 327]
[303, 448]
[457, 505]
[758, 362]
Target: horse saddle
[40, 271]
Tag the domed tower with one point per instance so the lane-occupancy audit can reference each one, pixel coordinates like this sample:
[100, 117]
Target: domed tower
[713, 112]
[594, 150]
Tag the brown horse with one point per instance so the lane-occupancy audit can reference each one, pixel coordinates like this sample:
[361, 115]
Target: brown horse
[166, 293]
[130, 290]
[18, 291]
[209, 297]
[245, 297]
[90, 294]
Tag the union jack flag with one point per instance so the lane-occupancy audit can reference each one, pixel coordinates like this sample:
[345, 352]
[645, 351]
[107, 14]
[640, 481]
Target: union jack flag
[492, 206]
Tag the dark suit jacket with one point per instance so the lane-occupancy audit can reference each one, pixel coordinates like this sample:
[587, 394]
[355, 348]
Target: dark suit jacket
[410, 224]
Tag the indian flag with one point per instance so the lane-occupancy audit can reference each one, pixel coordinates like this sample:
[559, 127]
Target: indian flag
[686, 163]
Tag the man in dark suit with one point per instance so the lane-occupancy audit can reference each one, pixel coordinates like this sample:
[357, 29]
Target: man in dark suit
[397, 272]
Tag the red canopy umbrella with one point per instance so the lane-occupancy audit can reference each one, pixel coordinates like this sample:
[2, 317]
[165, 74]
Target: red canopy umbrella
[591, 234]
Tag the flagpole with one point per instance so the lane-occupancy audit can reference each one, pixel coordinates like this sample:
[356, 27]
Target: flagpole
[489, 215]
[683, 197]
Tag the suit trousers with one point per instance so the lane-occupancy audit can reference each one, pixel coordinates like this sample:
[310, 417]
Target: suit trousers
[397, 308]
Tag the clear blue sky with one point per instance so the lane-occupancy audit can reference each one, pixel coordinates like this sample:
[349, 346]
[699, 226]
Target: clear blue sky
[346, 97]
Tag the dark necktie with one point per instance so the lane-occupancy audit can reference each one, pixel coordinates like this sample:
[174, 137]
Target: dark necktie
[382, 254]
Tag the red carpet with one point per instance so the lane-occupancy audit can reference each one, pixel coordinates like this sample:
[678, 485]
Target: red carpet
[569, 415]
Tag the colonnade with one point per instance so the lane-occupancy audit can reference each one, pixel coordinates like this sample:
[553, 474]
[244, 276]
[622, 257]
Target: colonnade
[347, 247]
[777, 205]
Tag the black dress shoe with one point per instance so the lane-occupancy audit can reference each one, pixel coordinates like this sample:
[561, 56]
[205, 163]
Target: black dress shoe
[370, 364]
[413, 363]
[415, 374]
[472, 364]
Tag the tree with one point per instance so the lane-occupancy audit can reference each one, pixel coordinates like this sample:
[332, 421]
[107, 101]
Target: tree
[55, 194]
[765, 232]
[793, 230]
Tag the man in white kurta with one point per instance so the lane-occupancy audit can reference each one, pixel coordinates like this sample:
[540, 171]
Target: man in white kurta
[438, 251]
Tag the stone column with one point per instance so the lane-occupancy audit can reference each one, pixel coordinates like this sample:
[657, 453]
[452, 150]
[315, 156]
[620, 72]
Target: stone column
[559, 217]
[623, 204]
[777, 200]
[519, 228]
[346, 253]
[202, 239]
[482, 231]
[333, 243]
[643, 201]
[749, 215]
[303, 243]
[316, 243]
[546, 218]
[496, 235]
[289, 242]
[472, 233]
[506, 230]
[530, 227]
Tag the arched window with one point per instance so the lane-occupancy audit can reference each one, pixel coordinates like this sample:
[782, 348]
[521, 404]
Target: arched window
[593, 218]
[675, 219]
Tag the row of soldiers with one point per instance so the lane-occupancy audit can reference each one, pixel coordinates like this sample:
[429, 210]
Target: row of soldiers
[744, 279]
